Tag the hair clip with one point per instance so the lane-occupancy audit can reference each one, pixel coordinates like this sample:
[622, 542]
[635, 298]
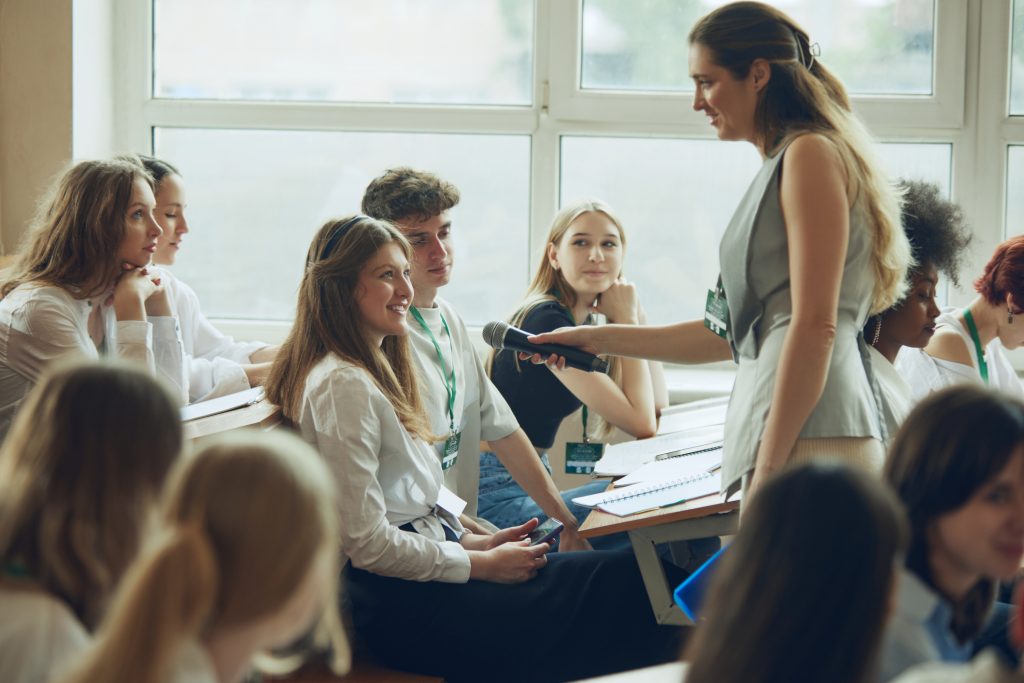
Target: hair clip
[814, 50]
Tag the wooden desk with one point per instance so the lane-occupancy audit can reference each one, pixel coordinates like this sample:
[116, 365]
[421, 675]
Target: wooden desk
[697, 518]
[263, 415]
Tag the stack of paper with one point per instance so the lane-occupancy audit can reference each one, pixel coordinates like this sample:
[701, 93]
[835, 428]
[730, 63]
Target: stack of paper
[222, 404]
[643, 497]
[693, 415]
[623, 458]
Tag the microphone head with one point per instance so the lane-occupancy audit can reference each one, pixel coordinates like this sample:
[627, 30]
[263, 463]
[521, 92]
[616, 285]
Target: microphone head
[494, 334]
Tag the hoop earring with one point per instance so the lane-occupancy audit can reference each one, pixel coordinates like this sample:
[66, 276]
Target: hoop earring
[878, 330]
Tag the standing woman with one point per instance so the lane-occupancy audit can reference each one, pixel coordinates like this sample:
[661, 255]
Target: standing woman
[84, 285]
[217, 364]
[814, 247]
[970, 344]
[580, 273]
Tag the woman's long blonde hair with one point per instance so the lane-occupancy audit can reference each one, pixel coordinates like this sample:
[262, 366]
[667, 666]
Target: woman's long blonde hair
[77, 232]
[245, 521]
[328, 320]
[550, 285]
[802, 96]
[80, 473]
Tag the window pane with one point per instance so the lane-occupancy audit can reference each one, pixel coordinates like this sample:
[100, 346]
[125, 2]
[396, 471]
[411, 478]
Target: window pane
[1017, 61]
[1014, 195]
[676, 197]
[875, 46]
[257, 197]
[426, 51]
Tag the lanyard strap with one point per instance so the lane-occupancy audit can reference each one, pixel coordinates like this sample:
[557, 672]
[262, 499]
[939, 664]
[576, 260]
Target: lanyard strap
[447, 378]
[982, 365]
[586, 439]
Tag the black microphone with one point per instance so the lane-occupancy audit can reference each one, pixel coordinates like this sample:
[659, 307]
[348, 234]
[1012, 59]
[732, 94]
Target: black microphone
[501, 335]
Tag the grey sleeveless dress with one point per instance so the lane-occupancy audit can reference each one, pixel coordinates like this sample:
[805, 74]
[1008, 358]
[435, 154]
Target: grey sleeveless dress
[754, 256]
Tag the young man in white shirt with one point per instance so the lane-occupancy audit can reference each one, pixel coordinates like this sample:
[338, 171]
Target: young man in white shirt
[466, 408]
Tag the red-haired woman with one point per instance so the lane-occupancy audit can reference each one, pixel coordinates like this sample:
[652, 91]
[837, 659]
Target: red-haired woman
[970, 344]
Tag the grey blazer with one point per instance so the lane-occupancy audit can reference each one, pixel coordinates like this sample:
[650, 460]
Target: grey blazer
[754, 256]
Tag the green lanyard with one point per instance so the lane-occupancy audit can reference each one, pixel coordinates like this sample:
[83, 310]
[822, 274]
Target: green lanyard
[982, 365]
[447, 378]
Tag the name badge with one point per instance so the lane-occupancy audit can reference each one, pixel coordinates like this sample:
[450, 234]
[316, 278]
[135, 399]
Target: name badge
[450, 451]
[716, 313]
[580, 457]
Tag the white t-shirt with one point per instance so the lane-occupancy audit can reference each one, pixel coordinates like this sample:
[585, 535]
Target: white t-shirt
[39, 635]
[214, 359]
[40, 324]
[482, 414]
[385, 478]
[926, 374]
[897, 400]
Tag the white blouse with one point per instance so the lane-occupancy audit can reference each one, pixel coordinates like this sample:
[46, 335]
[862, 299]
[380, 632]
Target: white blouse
[39, 635]
[192, 665]
[385, 478]
[926, 374]
[481, 412]
[40, 324]
[897, 399]
[214, 359]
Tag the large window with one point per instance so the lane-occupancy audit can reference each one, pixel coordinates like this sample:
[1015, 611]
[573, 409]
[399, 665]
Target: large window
[280, 113]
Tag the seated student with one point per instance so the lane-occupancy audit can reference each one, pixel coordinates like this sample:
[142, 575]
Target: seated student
[217, 364]
[958, 466]
[580, 273]
[417, 203]
[803, 592]
[970, 344]
[229, 576]
[83, 284]
[938, 240]
[80, 472]
[426, 596]
[987, 667]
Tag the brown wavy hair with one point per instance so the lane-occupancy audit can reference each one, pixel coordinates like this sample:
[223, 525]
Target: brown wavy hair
[328, 320]
[75, 237]
[803, 96]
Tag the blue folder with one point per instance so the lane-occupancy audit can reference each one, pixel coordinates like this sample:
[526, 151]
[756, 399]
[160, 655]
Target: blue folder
[690, 594]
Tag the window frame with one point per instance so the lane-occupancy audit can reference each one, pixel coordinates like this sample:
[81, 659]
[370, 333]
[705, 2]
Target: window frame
[967, 110]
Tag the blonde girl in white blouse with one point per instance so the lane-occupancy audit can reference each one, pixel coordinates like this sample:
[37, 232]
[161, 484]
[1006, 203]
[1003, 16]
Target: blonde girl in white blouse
[245, 560]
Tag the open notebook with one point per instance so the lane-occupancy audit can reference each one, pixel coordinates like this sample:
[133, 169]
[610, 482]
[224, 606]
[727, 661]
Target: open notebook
[643, 497]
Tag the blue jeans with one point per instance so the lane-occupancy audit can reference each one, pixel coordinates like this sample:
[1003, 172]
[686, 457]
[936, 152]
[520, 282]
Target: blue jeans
[504, 503]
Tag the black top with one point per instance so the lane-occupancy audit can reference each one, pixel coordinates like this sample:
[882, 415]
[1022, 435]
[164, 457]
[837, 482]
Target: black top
[540, 402]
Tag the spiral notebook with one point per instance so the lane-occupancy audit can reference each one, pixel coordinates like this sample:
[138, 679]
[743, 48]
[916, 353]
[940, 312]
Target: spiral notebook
[644, 497]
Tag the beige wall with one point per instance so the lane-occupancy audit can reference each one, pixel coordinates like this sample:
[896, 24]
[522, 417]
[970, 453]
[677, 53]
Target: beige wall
[35, 106]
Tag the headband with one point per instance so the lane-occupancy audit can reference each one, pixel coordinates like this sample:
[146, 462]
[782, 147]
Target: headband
[339, 232]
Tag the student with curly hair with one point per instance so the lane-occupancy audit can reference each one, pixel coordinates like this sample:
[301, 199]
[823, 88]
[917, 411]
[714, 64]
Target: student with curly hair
[938, 239]
[970, 343]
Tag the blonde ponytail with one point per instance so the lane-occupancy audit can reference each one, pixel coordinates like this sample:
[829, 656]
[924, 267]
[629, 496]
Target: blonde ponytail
[167, 598]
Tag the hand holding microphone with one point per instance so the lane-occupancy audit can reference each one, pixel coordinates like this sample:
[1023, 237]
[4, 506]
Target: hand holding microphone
[501, 335]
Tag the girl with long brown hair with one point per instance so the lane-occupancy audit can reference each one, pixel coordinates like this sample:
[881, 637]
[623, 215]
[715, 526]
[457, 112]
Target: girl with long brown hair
[345, 379]
[83, 283]
[80, 474]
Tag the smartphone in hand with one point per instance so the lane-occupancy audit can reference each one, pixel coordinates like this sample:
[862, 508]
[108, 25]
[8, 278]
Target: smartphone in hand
[546, 532]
